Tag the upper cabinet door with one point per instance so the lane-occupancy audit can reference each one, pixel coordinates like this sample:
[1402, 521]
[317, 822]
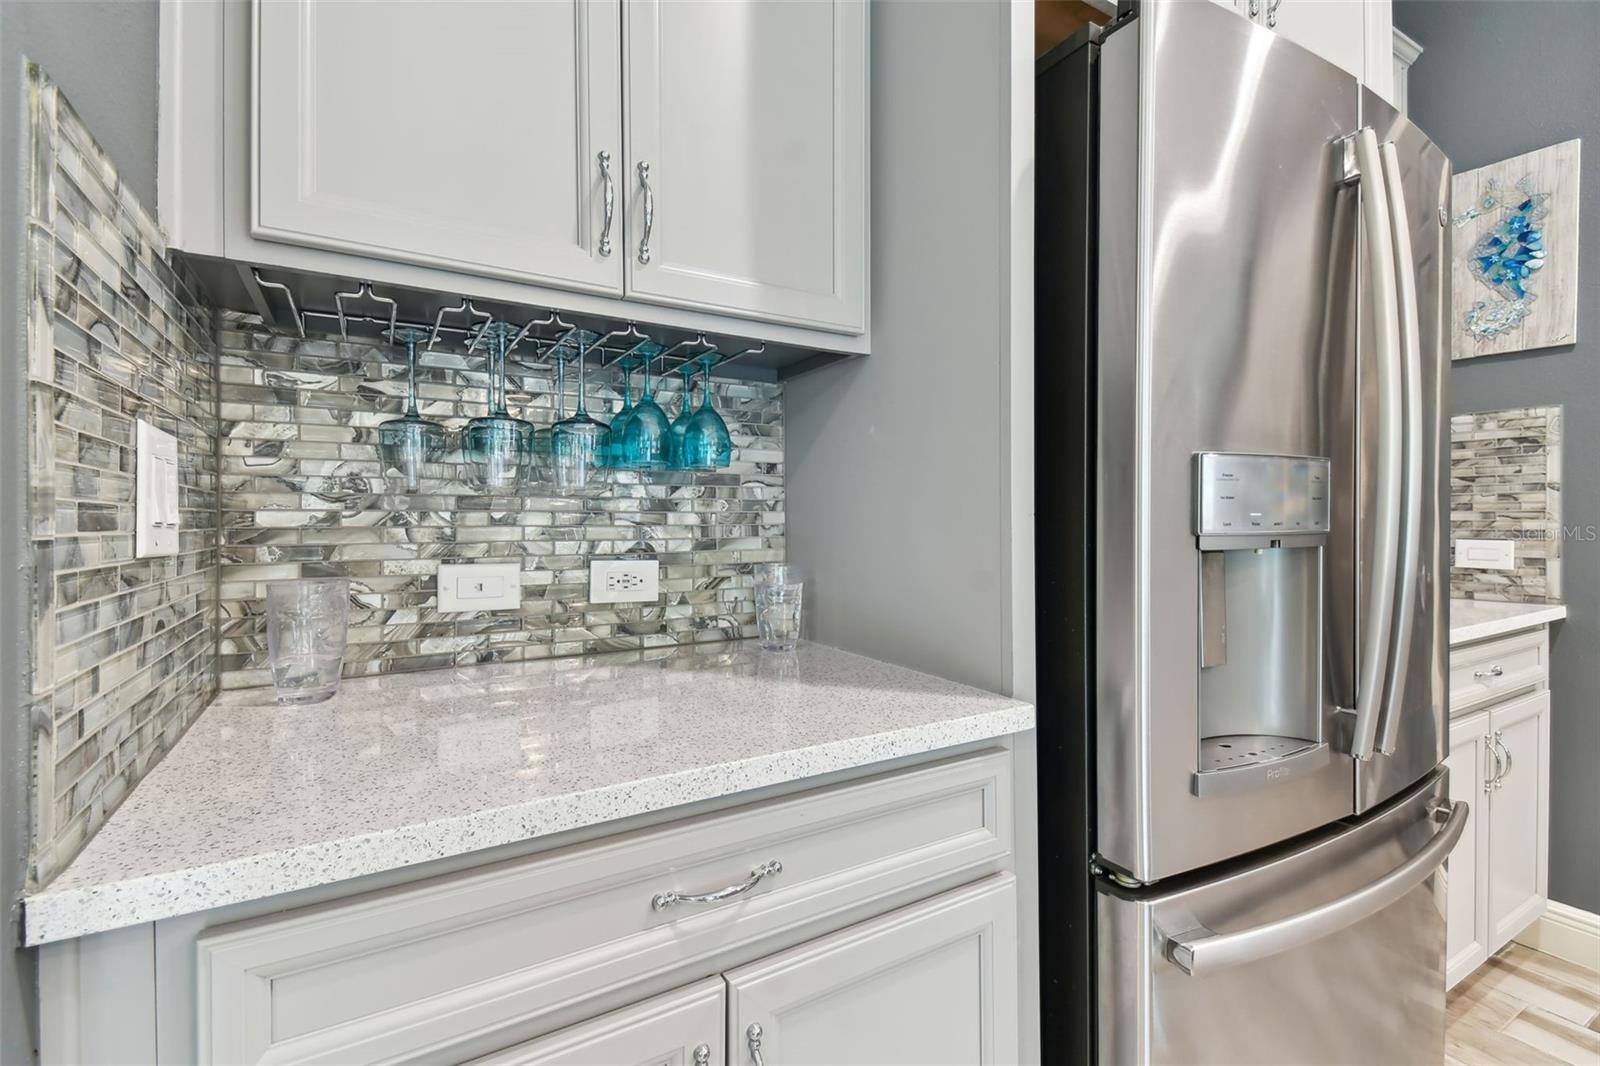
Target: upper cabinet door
[747, 158]
[458, 134]
[933, 983]
[1334, 29]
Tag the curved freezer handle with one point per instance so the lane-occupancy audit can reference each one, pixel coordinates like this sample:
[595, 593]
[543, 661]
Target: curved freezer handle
[1373, 666]
[1200, 951]
[1411, 515]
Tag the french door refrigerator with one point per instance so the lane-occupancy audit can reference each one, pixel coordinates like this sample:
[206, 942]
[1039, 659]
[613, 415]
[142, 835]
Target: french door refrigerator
[1241, 261]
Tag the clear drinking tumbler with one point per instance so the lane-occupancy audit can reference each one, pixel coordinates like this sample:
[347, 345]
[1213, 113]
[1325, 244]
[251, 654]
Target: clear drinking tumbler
[778, 595]
[307, 621]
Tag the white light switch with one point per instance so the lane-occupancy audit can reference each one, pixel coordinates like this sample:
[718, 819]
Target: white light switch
[1486, 554]
[480, 586]
[155, 478]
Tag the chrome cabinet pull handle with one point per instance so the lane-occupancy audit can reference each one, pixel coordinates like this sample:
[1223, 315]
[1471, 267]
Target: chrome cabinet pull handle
[663, 900]
[1499, 781]
[649, 213]
[610, 203]
[1255, 8]
[1272, 13]
[752, 1037]
[1494, 671]
[1494, 753]
[702, 1055]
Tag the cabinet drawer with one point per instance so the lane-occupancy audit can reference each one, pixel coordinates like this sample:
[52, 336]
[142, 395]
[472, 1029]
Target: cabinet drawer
[457, 965]
[1492, 670]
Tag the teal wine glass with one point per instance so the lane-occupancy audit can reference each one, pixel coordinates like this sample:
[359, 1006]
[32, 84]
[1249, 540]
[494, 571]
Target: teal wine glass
[576, 443]
[680, 425]
[615, 453]
[706, 443]
[499, 449]
[409, 444]
[645, 439]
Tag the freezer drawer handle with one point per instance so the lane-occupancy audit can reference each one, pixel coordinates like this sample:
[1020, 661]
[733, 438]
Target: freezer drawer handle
[1198, 952]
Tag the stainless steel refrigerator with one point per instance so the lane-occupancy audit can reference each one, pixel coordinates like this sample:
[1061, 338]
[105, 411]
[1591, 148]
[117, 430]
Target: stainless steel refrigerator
[1242, 301]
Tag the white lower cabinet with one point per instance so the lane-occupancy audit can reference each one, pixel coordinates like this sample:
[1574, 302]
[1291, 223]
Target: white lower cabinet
[681, 1028]
[1500, 765]
[934, 983]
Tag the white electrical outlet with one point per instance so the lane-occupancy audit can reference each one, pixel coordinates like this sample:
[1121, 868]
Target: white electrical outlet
[624, 580]
[155, 514]
[1486, 554]
[480, 586]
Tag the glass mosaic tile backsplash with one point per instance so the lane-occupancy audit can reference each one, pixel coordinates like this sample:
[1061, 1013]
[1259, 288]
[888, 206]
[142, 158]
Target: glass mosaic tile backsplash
[1505, 484]
[304, 494]
[123, 650]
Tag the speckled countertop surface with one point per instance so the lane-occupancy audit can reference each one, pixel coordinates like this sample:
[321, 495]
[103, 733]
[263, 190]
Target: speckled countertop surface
[258, 800]
[1476, 619]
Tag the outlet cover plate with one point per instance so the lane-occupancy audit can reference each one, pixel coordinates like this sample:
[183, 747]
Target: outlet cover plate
[1486, 554]
[470, 587]
[624, 580]
[156, 500]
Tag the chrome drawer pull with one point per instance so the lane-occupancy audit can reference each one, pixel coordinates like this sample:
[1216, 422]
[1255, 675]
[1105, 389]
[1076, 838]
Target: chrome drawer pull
[1494, 671]
[663, 900]
[752, 1037]
[649, 213]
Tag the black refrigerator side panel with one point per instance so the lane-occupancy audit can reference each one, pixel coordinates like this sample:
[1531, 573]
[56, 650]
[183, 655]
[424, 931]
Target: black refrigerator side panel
[1064, 332]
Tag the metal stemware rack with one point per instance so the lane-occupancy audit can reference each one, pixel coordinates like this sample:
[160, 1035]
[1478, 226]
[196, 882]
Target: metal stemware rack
[545, 340]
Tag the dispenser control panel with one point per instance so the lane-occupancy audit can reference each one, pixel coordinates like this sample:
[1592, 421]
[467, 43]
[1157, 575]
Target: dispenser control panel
[1260, 495]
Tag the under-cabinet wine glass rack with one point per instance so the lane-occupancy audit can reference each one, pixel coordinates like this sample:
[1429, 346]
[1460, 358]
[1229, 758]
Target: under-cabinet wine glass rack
[549, 338]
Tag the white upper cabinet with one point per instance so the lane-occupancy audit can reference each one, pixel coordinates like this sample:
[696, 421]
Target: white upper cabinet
[747, 157]
[1354, 34]
[454, 133]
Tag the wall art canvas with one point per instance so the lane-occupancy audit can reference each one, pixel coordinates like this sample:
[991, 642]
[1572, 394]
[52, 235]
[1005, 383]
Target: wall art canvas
[1514, 281]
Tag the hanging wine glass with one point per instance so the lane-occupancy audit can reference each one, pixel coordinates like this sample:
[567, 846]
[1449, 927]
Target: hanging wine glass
[498, 448]
[680, 424]
[706, 443]
[613, 452]
[645, 438]
[410, 443]
[575, 443]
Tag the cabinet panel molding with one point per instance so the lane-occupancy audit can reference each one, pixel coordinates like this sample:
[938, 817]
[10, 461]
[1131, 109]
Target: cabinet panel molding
[932, 983]
[680, 1028]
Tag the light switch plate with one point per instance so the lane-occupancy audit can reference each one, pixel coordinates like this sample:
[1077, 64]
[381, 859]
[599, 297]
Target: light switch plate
[624, 580]
[480, 586]
[155, 486]
[1486, 554]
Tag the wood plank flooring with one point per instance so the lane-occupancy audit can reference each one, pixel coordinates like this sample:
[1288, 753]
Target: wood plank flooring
[1524, 1008]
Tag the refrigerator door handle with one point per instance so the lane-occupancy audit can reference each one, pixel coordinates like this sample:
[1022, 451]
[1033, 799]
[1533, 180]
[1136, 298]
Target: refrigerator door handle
[1198, 952]
[1411, 515]
[1373, 665]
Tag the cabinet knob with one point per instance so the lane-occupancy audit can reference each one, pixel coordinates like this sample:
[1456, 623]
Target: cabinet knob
[752, 1036]
[702, 1055]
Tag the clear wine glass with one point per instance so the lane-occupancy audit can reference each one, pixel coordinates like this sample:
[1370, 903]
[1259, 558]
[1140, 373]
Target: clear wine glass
[410, 443]
[706, 442]
[576, 442]
[499, 448]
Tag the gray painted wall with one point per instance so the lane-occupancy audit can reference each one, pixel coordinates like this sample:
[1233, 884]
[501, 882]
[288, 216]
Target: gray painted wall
[105, 57]
[1497, 79]
[911, 437]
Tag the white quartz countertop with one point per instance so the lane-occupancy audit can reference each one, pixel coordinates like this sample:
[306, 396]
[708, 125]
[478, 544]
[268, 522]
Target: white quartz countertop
[258, 800]
[1476, 619]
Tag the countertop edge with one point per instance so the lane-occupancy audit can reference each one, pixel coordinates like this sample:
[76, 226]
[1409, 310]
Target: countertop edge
[51, 916]
[1537, 615]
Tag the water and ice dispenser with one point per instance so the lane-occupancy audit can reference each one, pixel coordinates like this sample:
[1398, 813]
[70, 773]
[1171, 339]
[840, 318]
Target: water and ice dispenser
[1261, 527]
